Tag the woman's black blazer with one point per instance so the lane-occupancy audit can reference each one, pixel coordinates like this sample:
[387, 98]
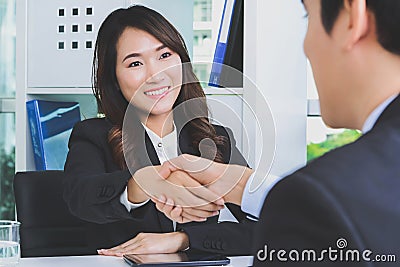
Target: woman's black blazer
[94, 183]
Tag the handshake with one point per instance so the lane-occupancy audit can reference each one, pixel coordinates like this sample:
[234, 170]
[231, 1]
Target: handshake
[189, 188]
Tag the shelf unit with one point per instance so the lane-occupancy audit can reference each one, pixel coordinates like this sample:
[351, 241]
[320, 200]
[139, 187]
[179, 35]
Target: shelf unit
[273, 59]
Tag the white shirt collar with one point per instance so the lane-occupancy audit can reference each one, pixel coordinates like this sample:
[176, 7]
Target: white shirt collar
[166, 147]
[375, 114]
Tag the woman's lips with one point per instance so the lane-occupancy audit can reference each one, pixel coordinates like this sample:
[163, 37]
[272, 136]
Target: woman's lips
[158, 92]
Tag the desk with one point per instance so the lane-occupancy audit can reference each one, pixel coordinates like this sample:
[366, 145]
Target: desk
[102, 261]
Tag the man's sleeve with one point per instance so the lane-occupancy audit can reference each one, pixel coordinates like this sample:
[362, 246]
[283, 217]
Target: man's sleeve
[301, 214]
[253, 200]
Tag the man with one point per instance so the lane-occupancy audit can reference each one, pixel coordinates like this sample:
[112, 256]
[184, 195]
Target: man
[343, 208]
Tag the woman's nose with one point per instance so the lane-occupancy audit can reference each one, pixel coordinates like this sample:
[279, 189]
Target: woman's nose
[154, 74]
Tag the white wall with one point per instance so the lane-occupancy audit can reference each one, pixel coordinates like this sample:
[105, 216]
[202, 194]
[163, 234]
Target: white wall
[275, 62]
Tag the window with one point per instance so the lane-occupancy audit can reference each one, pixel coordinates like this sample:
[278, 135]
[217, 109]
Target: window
[202, 10]
[202, 38]
[7, 110]
[207, 18]
[322, 139]
[203, 73]
[7, 168]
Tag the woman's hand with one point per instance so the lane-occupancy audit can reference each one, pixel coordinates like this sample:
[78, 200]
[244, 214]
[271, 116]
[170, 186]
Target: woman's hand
[199, 213]
[149, 243]
[180, 187]
[180, 215]
[226, 180]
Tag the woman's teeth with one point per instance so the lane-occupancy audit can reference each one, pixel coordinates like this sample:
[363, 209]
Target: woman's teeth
[157, 92]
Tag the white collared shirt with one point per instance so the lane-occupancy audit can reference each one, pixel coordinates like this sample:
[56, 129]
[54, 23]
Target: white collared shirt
[166, 147]
[375, 114]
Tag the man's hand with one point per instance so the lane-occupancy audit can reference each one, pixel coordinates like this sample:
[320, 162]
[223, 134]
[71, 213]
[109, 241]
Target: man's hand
[180, 187]
[225, 180]
[166, 204]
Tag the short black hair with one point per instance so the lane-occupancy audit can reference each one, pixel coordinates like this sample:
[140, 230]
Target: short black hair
[386, 15]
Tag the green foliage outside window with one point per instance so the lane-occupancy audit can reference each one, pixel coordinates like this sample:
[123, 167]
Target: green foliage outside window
[7, 170]
[332, 141]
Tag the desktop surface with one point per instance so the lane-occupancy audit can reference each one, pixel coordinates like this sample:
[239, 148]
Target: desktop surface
[103, 261]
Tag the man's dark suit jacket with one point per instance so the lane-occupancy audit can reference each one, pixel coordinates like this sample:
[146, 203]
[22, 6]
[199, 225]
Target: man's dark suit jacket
[94, 184]
[351, 193]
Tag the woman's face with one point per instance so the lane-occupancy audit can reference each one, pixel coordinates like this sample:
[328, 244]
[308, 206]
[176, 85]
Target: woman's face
[149, 74]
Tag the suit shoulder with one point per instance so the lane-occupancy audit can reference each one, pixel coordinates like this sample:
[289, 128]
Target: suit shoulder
[349, 160]
[92, 129]
[94, 124]
[354, 166]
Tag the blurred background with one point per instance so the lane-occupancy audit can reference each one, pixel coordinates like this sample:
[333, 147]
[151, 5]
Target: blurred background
[206, 21]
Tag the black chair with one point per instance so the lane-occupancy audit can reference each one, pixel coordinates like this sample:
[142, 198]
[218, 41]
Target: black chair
[47, 226]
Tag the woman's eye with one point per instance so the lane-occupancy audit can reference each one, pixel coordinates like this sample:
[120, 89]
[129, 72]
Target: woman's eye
[135, 64]
[165, 55]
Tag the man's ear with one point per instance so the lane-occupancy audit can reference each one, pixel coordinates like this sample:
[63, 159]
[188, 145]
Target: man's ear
[358, 21]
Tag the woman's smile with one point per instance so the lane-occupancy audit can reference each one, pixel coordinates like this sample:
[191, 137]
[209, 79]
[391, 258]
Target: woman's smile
[158, 93]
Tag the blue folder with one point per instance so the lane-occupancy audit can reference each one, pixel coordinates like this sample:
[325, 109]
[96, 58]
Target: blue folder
[50, 124]
[227, 65]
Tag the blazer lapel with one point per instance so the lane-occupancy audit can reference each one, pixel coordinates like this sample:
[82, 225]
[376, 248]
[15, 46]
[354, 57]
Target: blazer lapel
[143, 155]
[150, 151]
[165, 223]
[185, 141]
[185, 146]
[138, 149]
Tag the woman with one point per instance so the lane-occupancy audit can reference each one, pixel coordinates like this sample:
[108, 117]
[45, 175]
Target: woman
[142, 73]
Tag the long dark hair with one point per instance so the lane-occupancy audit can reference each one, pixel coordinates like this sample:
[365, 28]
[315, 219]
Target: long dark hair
[106, 89]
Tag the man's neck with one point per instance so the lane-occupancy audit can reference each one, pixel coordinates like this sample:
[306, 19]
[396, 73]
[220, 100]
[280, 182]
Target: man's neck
[377, 81]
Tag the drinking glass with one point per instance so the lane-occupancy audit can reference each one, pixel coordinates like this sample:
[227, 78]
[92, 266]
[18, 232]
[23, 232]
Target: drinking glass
[9, 243]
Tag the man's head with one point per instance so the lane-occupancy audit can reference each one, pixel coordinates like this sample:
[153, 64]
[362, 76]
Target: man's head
[354, 50]
[386, 13]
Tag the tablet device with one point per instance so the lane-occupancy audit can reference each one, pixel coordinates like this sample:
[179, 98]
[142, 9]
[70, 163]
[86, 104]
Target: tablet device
[176, 259]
